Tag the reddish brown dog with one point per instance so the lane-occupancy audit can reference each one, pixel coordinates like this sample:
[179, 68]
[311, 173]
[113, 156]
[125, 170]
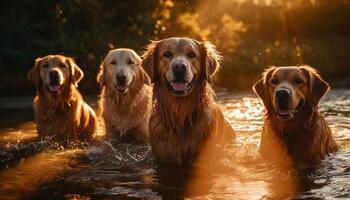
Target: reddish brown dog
[294, 132]
[185, 121]
[60, 111]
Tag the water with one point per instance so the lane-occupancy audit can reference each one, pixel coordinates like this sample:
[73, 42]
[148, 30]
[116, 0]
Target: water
[30, 169]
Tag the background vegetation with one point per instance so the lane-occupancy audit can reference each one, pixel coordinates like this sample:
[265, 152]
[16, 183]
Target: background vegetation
[251, 34]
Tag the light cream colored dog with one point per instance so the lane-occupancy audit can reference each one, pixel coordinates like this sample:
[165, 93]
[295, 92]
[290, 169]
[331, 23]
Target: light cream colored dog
[126, 97]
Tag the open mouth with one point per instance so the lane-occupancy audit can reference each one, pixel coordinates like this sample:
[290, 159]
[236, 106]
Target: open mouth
[288, 114]
[54, 89]
[122, 88]
[180, 87]
[285, 115]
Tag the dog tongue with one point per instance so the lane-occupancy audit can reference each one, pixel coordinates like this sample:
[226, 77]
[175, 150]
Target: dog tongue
[121, 87]
[179, 85]
[54, 88]
[283, 112]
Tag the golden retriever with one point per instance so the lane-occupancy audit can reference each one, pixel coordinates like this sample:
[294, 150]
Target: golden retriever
[294, 132]
[126, 97]
[59, 108]
[185, 121]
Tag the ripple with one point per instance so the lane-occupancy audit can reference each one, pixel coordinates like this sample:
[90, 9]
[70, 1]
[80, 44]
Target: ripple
[108, 171]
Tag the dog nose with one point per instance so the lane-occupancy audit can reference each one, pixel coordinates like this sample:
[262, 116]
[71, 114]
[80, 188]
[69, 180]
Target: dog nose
[179, 67]
[121, 79]
[282, 96]
[53, 75]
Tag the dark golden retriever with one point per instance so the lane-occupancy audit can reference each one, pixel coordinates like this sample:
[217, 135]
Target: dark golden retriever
[60, 111]
[294, 132]
[185, 121]
[126, 97]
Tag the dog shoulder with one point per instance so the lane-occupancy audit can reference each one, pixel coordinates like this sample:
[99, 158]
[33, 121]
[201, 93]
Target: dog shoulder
[324, 134]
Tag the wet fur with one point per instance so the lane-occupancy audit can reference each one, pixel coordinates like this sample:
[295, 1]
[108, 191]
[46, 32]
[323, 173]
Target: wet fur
[303, 141]
[66, 116]
[126, 117]
[182, 128]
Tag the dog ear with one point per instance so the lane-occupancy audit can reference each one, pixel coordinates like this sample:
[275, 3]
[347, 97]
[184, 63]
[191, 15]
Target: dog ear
[211, 60]
[144, 76]
[142, 73]
[34, 73]
[317, 86]
[261, 86]
[150, 61]
[76, 73]
[101, 79]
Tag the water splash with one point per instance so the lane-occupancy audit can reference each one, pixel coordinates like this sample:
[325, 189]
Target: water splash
[125, 171]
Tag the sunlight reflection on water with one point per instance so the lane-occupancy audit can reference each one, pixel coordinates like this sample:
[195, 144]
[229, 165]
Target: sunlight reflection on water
[128, 171]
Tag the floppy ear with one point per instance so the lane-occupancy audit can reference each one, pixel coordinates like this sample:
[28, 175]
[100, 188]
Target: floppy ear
[149, 61]
[34, 73]
[76, 73]
[142, 73]
[101, 80]
[261, 86]
[145, 77]
[317, 86]
[211, 60]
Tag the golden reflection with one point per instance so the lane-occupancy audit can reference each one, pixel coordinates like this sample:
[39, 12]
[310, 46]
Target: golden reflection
[245, 174]
[27, 132]
[244, 114]
[234, 172]
[221, 184]
[31, 173]
[22, 132]
[212, 179]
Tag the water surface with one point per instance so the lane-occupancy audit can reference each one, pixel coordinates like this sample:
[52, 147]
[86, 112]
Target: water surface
[30, 169]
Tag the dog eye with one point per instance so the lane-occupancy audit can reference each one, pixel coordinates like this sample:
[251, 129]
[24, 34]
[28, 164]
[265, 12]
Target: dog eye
[298, 81]
[130, 62]
[168, 54]
[45, 66]
[113, 62]
[191, 54]
[274, 81]
[61, 65]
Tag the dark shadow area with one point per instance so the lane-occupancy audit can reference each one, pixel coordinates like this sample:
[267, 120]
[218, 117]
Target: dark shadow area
[11, 117]
[250, 35]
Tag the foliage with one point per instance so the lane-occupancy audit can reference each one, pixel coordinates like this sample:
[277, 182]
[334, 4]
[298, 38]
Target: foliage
[251, 34]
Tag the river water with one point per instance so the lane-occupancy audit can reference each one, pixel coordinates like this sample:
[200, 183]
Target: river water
[32, 169]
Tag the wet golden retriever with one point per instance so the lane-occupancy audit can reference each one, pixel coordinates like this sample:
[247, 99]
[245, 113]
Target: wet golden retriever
[126, 97]
[185, 121]
[294, 132]
[60, 111]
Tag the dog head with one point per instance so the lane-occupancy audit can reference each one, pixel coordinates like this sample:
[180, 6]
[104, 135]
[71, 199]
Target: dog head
[55, 74]
[180, 63]
[120, 68]
[286, 90]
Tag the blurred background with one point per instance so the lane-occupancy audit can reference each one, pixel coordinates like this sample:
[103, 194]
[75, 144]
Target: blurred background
[250, 34]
